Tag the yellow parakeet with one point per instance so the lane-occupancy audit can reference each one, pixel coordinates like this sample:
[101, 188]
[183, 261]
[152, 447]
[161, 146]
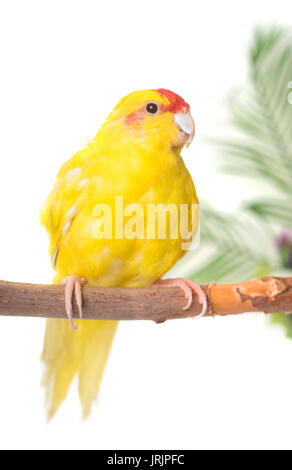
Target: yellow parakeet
[134, 158]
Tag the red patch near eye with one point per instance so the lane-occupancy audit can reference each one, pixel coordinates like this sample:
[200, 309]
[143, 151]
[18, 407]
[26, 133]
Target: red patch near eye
[177, 103]
[134, 117]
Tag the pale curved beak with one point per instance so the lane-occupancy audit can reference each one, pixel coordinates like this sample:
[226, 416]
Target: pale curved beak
[186, 124]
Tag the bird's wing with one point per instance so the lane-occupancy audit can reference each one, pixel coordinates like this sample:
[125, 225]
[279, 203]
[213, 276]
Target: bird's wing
[61, 205]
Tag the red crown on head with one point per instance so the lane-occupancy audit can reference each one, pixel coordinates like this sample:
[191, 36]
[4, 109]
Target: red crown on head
[177, 103]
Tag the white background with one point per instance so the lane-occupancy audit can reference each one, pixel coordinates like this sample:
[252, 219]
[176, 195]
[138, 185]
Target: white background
[223, 383]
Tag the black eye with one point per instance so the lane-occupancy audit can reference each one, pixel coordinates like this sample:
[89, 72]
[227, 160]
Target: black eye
[152, 108]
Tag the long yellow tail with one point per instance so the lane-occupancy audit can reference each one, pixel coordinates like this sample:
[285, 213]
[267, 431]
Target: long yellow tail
[67, 352]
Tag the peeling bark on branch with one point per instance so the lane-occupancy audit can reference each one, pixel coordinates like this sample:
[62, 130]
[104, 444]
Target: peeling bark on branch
[269, 294]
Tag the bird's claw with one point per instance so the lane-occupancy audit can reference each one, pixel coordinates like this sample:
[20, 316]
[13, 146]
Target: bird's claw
[73, 287]
[188, 286]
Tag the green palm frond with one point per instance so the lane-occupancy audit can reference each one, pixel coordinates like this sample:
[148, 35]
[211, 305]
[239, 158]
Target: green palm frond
[276, 211]
[262, 116]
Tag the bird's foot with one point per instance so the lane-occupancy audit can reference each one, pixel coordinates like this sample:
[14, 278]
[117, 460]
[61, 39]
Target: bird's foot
[188, 287]
[73, 287]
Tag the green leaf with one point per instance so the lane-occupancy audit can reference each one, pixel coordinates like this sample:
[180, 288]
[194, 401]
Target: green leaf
[262, 115]
[275, 210]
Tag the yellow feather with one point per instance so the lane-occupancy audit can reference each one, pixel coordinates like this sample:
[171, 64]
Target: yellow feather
[67, 352]
[140, 163]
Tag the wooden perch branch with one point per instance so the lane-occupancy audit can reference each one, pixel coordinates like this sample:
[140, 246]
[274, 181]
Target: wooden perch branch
[269, 294]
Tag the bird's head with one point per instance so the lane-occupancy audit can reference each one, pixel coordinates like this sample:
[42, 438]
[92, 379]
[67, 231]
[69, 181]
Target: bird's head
[158, 116]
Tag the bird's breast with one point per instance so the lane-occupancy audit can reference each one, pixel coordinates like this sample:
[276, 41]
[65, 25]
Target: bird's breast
[127, 229]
